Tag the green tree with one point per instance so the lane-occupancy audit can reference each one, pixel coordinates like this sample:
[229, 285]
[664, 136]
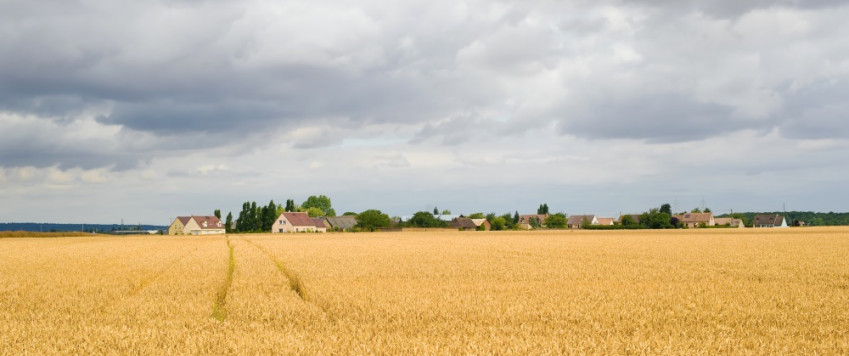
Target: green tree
[217, 214]
[516, 218]
[543, 209]
[707, 210]
[534, 222]
[228, 225]
[425, 219]
[435, 211]
[665, 208]
[628, 220]
[508, 221]
[290, 205]
[446, 212]
[349, 213]
[314, 212]
[654, 219]
[373, 219]
[696, 210]
[321, 202]
[498, 223]
[556, 221]
[269, 214]
[477, 216]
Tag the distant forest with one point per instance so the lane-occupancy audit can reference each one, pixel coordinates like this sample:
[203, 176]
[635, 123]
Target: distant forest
[808, 217]
[100, 228]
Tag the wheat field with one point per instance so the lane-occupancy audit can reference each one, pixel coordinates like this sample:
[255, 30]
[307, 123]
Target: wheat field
[688, 292]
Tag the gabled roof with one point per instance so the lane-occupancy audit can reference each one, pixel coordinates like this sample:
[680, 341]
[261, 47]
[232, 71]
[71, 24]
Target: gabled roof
[767, 219]
[342, 222]
[605, 221]
[635, 217]
[524, 219]
[479, 222]
[728, 221]
[579, 219]
[694, 217]
[184, 219]
[212, 222]
[463, 223]
[302, 219]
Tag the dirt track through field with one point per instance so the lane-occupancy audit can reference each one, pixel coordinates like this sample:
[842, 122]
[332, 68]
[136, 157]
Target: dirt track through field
[295, 282]
[219, 307]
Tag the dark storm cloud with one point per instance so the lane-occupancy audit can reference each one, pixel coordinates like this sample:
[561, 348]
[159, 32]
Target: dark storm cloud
[45, 150]
[228, 71]
[654, 118]
[817, 110]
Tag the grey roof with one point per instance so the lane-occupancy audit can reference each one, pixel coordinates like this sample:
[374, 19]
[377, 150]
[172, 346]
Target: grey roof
[463, 223]
[342, 222]
[767, 219]
[579, 219]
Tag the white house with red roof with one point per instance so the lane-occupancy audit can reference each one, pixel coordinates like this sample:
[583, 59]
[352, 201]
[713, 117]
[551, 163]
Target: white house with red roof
[298, 222]
[196, 225]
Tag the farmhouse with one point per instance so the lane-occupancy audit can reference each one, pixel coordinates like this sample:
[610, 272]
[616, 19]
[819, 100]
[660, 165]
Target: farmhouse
[738, 223]
[196, 225]
[605, 221]
[482, 224]
[526, 222]
[577, 221]
[694, 220]
[341, 223]
[298, 222]
[464, 224]
[769, 220]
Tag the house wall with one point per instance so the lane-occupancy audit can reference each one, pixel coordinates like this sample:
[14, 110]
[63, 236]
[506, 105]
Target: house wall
[282, 225]
[191, 228]
[176, 228]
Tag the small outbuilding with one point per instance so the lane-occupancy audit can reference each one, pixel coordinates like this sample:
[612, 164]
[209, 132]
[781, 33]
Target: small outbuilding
[577, 221]
[341, 223]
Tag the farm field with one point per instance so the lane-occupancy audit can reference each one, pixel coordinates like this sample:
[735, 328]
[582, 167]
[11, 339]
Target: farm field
[718, 291]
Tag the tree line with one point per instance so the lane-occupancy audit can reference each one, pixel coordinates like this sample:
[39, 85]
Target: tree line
[260, 218]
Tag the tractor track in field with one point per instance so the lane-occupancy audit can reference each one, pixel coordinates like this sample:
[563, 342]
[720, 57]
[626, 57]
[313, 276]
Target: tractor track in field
[219, 306]
[144, 282]
[295, 283]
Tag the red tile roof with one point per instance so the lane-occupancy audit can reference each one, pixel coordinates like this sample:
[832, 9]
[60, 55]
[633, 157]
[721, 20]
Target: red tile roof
[302, 219]
[212, 222]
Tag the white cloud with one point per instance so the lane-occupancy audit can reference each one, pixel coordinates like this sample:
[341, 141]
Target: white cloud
[506, 102]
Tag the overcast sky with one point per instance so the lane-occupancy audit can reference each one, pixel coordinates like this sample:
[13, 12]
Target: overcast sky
[145, 110]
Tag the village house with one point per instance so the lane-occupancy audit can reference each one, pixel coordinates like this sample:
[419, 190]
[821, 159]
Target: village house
[341, 223]
[463, 224]
[605, 221]
[196, 225]
[694, 220]
[738, 223]
[298, 222]
[525, 221]
[482, 224]
[635, 218]
[769, 220]
[577, 221]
